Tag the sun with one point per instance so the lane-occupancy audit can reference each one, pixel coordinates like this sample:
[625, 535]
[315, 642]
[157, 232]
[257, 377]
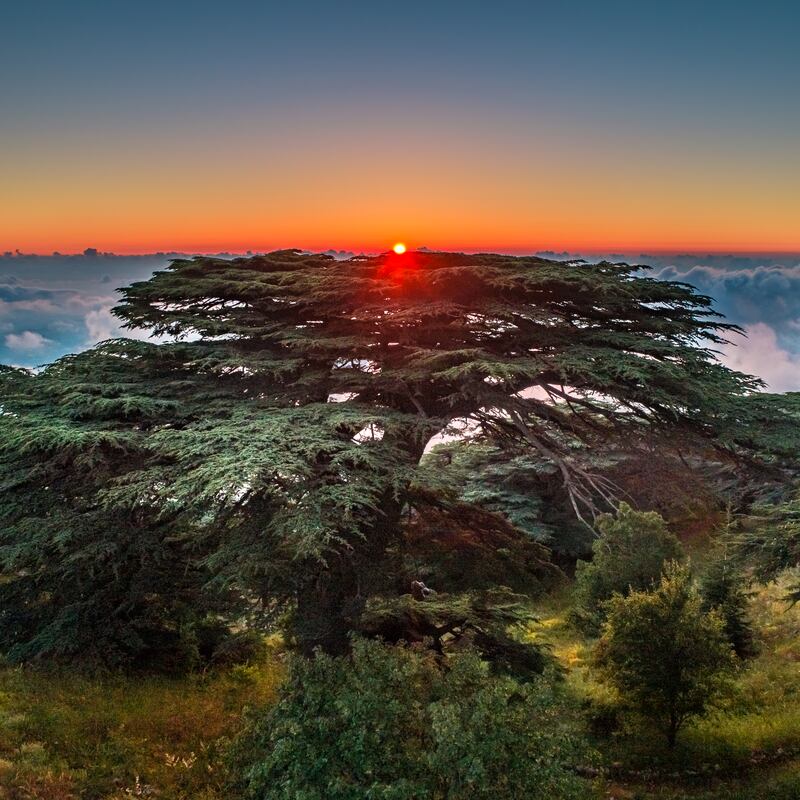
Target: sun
[399, 248]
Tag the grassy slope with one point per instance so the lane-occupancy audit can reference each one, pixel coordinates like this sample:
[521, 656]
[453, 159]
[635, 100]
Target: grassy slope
[748, 751]
[63, 736]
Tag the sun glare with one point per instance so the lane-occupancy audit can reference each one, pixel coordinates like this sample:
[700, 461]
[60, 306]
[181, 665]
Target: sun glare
[399, 248]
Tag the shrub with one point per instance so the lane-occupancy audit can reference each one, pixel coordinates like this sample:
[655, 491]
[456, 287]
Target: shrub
[666, 658]
[394, 723]
[769, 543]
[629, 555]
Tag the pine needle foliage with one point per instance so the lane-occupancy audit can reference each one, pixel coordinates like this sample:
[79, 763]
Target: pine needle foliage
[272, 449]
[768, 543]
[723, 587]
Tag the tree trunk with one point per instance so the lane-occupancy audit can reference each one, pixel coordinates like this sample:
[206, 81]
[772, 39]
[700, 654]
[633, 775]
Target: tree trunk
[672, 731]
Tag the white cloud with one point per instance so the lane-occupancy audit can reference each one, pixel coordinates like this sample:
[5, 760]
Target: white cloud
[760, 354]
[101, 324]
[27, 341]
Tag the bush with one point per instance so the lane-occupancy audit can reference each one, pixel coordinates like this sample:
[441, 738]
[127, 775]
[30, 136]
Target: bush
[667, 659]
[394, 723]
[629, 555]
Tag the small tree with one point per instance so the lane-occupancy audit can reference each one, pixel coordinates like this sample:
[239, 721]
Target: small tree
[667, 658]
[629, 555]
[396, 723]
[723, 587]
[769, 543]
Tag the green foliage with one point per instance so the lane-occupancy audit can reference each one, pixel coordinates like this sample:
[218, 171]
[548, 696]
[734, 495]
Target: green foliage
[85, 579]
[465, 577]
[629, 555]
[723, 587]
[486, 621]
[667, 658]
[457, 547]
[765, 425]
[521, 484]
[769, 543]
[393, 723]
[265, 461]
[494, 479]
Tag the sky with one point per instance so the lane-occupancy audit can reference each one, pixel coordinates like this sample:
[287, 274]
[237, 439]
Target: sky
[661, 133]
[138, 127]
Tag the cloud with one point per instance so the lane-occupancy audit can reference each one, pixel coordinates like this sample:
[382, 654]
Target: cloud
[27, 341]
[760, 354]
[101, 324]
[765, 301]
[14, 296]
[746, 295]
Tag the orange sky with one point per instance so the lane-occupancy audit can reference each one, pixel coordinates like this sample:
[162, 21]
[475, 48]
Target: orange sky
[187, 126]
[518, 198]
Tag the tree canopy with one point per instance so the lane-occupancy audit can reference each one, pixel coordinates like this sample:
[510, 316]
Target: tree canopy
[272, 445]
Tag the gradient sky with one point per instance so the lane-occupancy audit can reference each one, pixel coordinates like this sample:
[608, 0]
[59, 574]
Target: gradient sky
[197, 126]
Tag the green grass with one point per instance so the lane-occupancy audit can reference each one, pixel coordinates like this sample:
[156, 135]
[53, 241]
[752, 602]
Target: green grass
[65, 736]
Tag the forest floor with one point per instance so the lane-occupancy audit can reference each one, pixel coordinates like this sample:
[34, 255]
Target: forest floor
[65, 736]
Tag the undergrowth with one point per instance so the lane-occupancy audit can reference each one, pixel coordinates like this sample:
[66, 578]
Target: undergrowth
[65, 736]
[749, 750]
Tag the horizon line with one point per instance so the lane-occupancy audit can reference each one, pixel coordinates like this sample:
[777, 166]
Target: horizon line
[91, 252]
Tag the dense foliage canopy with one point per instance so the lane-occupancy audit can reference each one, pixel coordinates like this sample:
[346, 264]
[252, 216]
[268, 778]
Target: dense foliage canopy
[267, 457]
[768, 543]
[668, 659]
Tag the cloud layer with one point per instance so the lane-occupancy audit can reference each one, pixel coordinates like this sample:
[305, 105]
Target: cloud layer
[52, 305]
[765, 301]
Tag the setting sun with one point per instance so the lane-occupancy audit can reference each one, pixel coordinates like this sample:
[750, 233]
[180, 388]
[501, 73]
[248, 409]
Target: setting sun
[399, 248]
